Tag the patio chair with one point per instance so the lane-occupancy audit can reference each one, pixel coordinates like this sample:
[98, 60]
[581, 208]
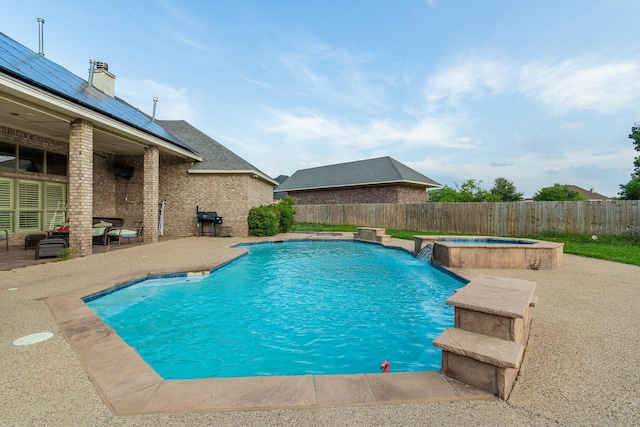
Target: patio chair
[51, 246]
[129, 230]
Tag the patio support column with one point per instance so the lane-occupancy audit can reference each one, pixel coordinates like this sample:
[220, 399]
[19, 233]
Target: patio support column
[150, 201]
[80, 192]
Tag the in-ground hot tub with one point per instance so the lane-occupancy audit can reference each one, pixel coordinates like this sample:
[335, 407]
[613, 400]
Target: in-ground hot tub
[491, 252]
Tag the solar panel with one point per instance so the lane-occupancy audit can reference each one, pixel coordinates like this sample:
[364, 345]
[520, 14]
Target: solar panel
[26, 65]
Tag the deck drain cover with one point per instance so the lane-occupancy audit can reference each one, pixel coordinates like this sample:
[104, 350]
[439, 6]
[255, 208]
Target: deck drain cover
[33, 338]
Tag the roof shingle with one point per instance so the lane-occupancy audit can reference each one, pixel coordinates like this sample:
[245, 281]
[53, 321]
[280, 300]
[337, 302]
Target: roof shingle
[383, 170]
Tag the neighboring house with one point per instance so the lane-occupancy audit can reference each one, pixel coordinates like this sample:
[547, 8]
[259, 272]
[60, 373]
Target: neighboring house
[70, 149]
[381, 180]
[277, 195]
[590, 195]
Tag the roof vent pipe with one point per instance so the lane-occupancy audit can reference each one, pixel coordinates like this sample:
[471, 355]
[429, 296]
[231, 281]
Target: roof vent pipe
[40, 47]
[92, 66]
[155, 103]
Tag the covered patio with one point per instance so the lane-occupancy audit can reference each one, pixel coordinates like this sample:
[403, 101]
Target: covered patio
[53, 127]
[17, 257]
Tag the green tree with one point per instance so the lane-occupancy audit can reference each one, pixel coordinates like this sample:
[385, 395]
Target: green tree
[444, 194]
[557, 193]
[631, 190]
[505, 190]
[468, 191]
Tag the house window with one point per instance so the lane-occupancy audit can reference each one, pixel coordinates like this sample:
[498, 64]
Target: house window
[30, 206]
[55, 202]
[6, 204]
[7, 156]
[56, 164]
[30, 160]
[27, 159]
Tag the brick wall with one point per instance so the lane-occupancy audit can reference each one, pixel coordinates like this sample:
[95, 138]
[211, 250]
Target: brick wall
[411, 194]
[16, 136]
[104, 186]
[129, 197]
[150, 193]
[378, 194]
[80, 192]
[230, 195]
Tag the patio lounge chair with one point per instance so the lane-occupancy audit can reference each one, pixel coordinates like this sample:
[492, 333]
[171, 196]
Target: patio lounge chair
[31, 240]
[51, 247]
[101, 228]
[128, 230]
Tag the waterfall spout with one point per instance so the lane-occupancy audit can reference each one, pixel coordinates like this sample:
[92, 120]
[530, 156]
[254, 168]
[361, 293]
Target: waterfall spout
[425, 253]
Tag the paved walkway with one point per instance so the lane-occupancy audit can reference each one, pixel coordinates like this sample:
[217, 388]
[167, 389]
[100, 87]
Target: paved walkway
[581, 366]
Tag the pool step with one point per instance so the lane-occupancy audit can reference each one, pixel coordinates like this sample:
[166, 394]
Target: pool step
[372, 234]
[491, 329]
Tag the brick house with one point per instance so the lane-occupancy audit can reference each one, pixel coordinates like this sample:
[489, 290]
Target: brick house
[70, 149]
[380, 180]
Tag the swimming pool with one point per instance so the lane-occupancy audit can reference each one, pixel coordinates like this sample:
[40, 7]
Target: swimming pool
[293, 308]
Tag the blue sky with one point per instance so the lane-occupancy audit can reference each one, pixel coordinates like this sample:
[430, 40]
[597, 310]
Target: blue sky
[538, 92]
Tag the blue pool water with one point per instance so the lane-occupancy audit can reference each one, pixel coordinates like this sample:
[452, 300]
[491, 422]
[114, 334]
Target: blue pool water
[294, 308]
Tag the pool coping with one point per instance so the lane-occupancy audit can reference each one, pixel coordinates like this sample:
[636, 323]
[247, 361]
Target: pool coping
[128, 385]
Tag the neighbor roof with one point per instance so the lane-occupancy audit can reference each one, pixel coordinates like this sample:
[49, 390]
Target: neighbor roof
[216, 157]
[383, 170]
[588, 194]
[35, 70]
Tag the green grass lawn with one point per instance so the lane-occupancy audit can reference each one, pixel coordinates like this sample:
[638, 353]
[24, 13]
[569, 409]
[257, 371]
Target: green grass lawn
[624, 249]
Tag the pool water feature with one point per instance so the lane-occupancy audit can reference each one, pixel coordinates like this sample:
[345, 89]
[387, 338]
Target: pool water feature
[293, 308]
[486, 241]
[489, 252]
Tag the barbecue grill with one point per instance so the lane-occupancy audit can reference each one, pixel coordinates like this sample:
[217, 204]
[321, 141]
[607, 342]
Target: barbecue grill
[210, 218]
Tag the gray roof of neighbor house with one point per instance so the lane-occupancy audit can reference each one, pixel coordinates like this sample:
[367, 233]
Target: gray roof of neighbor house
[216, 157]
[380, 171]
[35, 70]
[280, 194]
[589, 194]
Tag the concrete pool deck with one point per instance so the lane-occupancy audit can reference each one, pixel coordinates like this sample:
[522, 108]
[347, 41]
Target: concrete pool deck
[581, 366]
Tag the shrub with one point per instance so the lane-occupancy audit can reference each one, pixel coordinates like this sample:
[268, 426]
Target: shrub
[287, 213]
[262, 221]
[269, 220]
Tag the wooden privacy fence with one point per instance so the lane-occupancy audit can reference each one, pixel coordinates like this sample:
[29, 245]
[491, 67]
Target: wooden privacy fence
[493, 219]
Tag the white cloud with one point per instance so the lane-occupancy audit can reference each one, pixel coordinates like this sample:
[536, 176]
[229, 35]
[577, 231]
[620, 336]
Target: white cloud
[426, 132]
[469, 76]
[582, 84]
[337, 75]
[595, 84]
[173, 103]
